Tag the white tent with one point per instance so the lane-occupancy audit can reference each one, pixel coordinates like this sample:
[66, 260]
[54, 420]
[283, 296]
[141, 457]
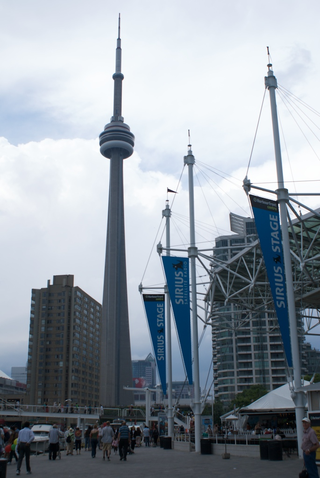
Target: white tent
[278, 400]
[4, 375]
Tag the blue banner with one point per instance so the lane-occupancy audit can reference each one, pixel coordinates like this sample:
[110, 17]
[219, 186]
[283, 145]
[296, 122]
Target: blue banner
[267, 221]
[177, 274]
[155, 311]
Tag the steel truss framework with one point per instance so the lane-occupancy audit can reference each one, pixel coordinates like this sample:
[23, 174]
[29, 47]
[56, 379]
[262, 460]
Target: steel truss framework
[242, 280]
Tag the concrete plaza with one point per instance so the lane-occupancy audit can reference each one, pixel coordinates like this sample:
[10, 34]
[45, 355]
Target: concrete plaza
[158, 462]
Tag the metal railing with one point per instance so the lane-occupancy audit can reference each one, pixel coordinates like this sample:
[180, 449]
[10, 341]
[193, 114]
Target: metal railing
[133, 413]
[110, 413]
[242, 438]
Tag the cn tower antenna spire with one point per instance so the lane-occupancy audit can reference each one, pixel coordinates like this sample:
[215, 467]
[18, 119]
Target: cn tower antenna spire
[118, 78]
[189, 141]
[269, 59]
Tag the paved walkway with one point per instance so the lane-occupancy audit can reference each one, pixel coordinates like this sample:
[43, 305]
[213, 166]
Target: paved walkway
[157, 462]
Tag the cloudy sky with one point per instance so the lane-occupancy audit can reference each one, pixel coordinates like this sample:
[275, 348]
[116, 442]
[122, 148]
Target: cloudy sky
[187, 65]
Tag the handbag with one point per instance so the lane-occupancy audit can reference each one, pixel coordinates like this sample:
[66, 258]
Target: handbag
[68, 440]
[303, 474]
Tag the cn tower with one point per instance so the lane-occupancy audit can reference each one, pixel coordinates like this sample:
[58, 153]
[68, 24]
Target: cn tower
[116, 144]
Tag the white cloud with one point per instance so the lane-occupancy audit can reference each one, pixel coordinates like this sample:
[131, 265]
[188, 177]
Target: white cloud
[187, 66]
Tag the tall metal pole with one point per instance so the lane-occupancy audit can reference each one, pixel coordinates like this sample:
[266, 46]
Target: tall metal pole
[192, 253]
[283, 199]
[167, 214]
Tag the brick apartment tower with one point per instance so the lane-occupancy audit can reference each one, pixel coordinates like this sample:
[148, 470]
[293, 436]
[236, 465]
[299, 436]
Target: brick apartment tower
[64, 345]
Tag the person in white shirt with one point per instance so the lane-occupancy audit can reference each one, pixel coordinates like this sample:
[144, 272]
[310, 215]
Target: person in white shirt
[25, 438]
[106, 439]
[146, 435]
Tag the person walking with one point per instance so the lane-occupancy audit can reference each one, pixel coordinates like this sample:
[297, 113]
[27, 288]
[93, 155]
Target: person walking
[54, 435]
[133, 432]
[155, 435]
[124, 441]
[70, 441]
[309, 445]
[106, 440]
[1, 441]
[25, 438]
[115, 441]
[209, 431]
[12, 441]
[146, 435]
[78, 440]
[94, 435]
[99, 436]
[87, 438]
[138, 436]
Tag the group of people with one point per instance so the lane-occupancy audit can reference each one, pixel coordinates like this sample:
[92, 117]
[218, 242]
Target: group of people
[122, 438]
[150, 435]
[8, 443]
[69, 408]
[214, 432]
[16, 445]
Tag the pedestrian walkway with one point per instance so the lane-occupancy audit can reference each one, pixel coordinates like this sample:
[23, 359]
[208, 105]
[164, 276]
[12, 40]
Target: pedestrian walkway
[157, 462]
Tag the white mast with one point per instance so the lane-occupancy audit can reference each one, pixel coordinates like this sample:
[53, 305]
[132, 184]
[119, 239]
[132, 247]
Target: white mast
[167, 214]
[283, 199]
[192, 253]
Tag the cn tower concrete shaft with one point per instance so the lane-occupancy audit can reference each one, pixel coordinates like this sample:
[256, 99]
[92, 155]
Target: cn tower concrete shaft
[116, 143]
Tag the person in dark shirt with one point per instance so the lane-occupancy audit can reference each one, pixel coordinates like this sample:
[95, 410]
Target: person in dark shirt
[124, 440]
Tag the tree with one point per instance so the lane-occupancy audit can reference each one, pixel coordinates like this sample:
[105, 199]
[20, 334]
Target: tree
[309, 377]
[249, 395]
[218, 409]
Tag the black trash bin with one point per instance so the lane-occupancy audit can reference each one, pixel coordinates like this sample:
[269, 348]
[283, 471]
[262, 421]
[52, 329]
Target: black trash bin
[3, 467]
[161, 441]
[275, 450]
[166, 443]
[264, 453]
[205, 446]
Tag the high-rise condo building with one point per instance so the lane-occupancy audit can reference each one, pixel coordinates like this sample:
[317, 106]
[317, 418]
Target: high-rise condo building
[246, 339]
[64, 345]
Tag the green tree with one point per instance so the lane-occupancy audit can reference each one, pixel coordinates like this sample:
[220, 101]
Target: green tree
[309, 377]
[249, 395]
[218, 409]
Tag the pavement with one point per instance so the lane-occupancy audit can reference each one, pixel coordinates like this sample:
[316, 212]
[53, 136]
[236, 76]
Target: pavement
[158, 462]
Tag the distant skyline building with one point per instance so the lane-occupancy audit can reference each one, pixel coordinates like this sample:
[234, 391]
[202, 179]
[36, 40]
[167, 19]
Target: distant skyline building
[64, 345]
[19, 374]
[144, 370]
[12, 390]
[182, 394]
[116, 144]
[144, 373]
[311, 359]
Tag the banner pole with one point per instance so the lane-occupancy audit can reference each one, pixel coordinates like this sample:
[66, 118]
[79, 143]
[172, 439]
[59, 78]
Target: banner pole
[189, 160]
[283, 199]
[167, 214]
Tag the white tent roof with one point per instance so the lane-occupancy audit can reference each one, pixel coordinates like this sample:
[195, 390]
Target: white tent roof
[276, 400]
[4, 375]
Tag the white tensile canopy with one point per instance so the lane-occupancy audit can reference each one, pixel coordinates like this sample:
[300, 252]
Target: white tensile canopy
[275, 401]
